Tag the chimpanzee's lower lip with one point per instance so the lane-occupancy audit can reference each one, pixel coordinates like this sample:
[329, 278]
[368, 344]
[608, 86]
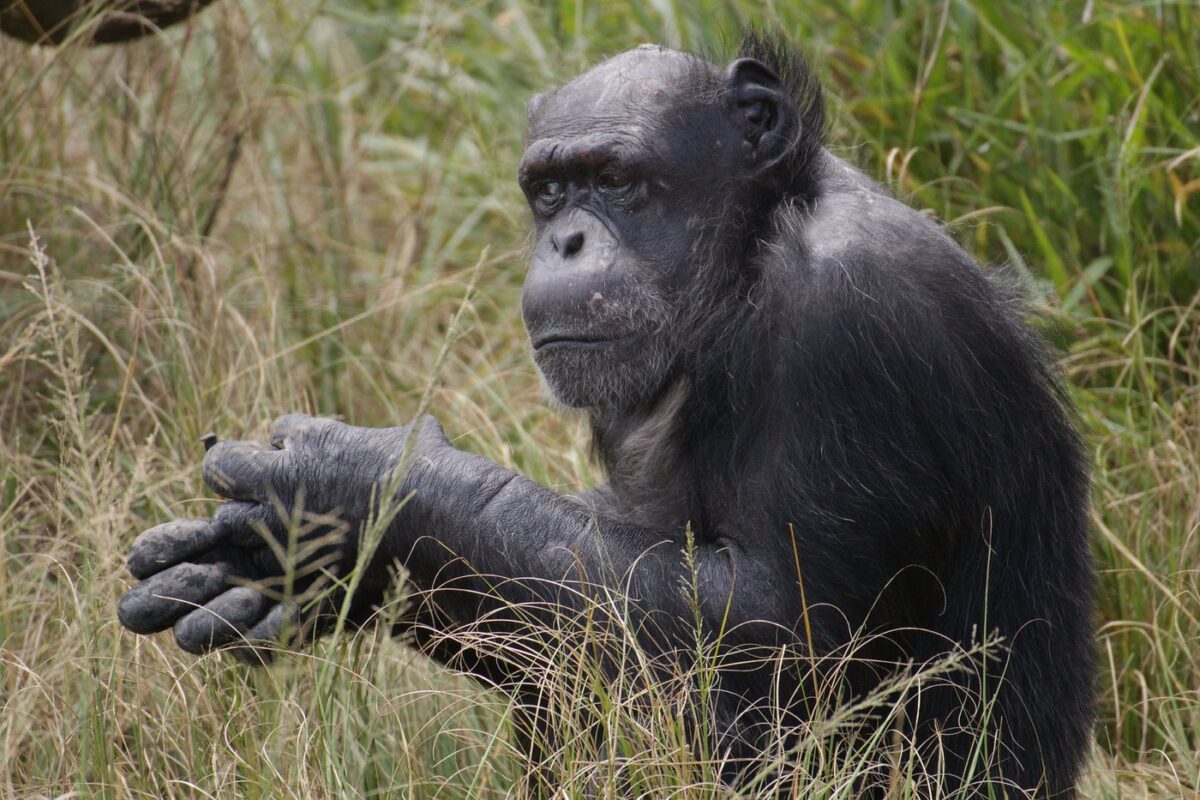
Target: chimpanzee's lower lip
[555, 342]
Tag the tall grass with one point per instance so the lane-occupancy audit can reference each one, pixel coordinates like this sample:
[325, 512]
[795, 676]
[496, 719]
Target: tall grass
[278, 207]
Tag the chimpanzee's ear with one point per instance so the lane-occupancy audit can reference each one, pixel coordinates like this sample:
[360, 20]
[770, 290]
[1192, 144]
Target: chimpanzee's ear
[531, 109]
[763, 111]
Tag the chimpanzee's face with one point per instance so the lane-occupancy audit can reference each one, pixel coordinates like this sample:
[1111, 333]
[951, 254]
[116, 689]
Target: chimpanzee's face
[623, 171]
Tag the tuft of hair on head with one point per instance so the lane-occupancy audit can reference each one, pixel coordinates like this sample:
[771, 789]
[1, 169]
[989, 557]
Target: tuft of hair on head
[775, 51]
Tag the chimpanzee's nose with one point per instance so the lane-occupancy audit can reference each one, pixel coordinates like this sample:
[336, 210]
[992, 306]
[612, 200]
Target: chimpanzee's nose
[569, 246]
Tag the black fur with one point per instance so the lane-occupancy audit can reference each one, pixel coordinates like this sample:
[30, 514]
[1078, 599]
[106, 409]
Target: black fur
[842, 368]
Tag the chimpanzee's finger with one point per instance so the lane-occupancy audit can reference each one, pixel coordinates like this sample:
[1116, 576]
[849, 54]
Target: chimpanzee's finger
[155, 603]
[221, 621]
[257, 527]
[246, 524]
[241, 564]
[241, 470]
[170, 543]
[263, 638]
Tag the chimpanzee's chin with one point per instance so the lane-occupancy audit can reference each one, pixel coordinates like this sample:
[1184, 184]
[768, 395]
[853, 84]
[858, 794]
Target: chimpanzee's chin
[617, 376]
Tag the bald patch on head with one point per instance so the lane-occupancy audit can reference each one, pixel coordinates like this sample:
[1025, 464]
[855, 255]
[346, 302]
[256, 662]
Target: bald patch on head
[637, 84]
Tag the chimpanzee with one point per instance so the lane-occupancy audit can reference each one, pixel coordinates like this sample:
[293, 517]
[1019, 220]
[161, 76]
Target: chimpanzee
[782, 366]
[51, 21]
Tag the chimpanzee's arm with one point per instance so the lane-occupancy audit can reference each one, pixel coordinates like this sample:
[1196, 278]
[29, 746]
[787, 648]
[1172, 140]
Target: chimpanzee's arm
[476, 534]
[475, 537]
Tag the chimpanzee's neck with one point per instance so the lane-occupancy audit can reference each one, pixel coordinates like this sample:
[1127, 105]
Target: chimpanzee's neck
[641, 451]
[650, 455]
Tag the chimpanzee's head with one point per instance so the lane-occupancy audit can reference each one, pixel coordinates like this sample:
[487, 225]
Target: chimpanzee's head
[632, 171]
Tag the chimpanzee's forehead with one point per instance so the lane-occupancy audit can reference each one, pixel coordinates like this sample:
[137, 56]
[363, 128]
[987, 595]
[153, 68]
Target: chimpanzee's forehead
[634, 88]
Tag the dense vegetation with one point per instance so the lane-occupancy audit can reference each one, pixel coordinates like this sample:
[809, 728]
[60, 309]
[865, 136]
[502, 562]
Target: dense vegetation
[279, 208]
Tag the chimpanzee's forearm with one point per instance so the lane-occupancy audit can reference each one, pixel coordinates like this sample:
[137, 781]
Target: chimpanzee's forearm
[476, 537]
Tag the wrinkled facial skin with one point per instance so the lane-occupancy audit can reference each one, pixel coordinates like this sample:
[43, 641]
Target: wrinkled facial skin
[620, 171]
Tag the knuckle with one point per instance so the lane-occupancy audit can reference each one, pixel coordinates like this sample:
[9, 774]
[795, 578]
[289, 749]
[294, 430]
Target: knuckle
[210, 469]
[242, 470]
[247, 525]
[287, 426]
[296, 430]
[431, 430]
[225, 464]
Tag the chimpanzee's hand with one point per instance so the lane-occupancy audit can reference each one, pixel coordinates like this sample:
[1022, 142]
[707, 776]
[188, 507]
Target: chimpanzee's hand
[213, 589]
[275, 559]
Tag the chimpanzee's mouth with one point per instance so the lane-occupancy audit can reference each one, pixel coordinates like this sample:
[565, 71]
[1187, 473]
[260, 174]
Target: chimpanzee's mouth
[584, 341]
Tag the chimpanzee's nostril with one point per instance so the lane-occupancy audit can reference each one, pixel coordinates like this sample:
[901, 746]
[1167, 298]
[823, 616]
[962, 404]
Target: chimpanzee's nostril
[573, 244]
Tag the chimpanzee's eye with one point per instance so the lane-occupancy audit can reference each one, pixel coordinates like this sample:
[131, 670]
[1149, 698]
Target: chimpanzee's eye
[548, 192]
[614, 181]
